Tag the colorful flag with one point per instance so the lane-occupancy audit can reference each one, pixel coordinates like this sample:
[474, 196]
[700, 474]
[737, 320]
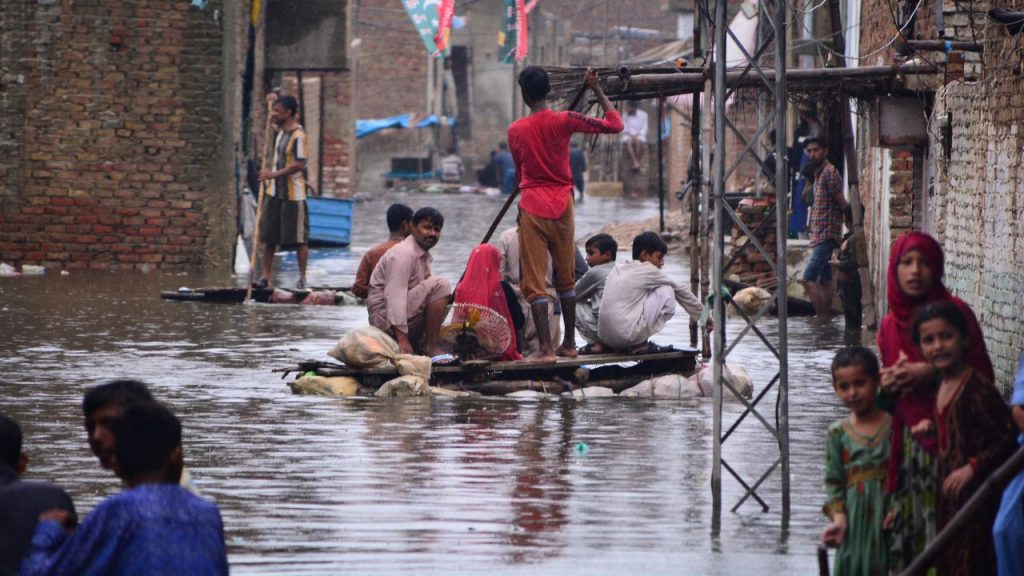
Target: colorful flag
[425, 17]
[444, 29]
[512, 37]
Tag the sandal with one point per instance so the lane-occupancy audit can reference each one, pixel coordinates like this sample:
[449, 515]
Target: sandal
[588, 350]
[444, 360]
[653, 348]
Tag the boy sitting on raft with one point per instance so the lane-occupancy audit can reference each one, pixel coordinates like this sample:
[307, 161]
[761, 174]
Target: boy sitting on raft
[601, 251]
[639, 299]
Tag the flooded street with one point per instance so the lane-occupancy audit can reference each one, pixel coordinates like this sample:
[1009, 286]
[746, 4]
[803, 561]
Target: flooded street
[313, 485]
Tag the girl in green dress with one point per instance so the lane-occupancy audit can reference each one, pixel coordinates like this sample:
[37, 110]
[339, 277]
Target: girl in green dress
[856, 462]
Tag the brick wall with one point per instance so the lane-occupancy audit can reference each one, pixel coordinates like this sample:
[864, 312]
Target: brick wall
[112, 115]
[977, 193]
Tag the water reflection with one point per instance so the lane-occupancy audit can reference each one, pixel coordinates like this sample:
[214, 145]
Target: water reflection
[422, 485]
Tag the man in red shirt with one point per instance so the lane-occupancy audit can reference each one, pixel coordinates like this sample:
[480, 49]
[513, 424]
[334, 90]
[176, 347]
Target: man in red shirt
[540, 149]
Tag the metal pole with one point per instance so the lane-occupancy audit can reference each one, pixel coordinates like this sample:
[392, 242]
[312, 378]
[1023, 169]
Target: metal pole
[718, 198]
[694, 175]
[781, 236]
[661, 166]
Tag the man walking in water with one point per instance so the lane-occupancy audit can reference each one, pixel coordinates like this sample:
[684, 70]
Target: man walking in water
[540, 148]
[285, 220]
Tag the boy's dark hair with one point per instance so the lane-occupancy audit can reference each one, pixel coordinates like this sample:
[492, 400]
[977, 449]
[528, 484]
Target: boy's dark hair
[945, 310]
[856, 356]
[603, 243]
[398, 214]
[430, 214]
[145, 434]
[503, 145]
[814, 140]
[290, 104]
[124, 391]
[534, 84]
[10, 441]
[649, 242]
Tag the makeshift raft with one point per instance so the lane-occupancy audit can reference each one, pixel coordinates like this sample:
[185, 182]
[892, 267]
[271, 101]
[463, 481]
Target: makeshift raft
[264, 295]
[615, 371]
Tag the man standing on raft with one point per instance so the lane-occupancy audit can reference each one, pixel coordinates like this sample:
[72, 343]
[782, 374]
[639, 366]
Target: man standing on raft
[540, 148]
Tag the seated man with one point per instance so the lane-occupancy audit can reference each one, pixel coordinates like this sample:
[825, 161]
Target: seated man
[154, 526]
[634, 132]
[21, 502]
[526, 339]
[452, 168]
[639, 298]
[601, 251]
[102, 405]
[404, 299]
[400, 225]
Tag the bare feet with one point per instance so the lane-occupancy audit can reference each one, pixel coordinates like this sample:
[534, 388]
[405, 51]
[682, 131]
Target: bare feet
[567, 351]
[539, 358]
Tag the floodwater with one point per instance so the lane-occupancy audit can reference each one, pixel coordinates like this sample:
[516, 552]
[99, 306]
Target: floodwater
[313, 485]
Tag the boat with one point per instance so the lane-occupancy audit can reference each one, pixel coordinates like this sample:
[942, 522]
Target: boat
[235, 295]
[615, 371]
[330, 221]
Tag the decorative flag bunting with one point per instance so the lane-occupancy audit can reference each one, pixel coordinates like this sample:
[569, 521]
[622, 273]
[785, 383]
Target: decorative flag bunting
[425, 17]
[513, 35]
[444, 29]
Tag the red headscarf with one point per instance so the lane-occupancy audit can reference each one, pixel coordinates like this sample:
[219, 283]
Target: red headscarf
[481, 285]
[894, 336]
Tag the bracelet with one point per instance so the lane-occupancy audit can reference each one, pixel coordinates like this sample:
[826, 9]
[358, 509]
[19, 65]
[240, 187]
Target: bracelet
[973, 463]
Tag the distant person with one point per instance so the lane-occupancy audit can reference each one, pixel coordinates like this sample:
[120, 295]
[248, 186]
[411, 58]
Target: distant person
[21, 501]
[540, 147]
[634, 133]
[404, 299]
[856, 459]
[488, 176]
[284, 220]
[809, 127]
[578, 166]
[452, 168]
[1008, 529]
[848, 275]
[154, 526]
[601, 252]
[101, 405]
[399, 218]
[826, 227]
[506, 168]
[639, 299]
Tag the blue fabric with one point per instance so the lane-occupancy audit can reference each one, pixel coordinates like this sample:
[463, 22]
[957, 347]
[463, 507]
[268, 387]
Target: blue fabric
[1008, 529]
[819, 269]
[367, 127]
[433, 121]
[508, 181]
[153, 529]
[798, 219]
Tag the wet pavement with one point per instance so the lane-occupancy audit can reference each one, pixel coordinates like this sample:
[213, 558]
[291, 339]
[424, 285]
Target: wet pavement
[315, 485]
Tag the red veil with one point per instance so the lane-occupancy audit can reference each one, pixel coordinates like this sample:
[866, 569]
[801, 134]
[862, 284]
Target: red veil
[481, 285]
[894, 336]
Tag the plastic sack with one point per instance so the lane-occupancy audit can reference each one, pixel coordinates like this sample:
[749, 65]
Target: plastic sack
[735, 375]
[753, 300]
[280, 296]
[403, 386]
[319, 298]
[665, 386]
[314, 385]
[365, 347]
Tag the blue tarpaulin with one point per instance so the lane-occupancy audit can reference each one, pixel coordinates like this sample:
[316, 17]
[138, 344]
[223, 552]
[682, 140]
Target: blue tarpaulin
[367, 127]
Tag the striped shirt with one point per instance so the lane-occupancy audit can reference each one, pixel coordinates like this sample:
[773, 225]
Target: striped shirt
[826, 213]
[289, 148]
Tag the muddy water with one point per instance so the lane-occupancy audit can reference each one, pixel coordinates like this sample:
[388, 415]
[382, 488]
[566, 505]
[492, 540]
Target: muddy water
[411, 486]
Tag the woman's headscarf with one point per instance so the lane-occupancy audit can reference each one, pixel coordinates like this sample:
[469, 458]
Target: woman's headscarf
[481, 285]
[894, 336]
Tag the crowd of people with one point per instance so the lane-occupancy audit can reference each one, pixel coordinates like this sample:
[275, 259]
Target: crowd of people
[927, 426]
[157, 524]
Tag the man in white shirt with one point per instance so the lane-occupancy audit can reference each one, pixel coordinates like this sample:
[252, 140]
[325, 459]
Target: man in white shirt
[634, 135]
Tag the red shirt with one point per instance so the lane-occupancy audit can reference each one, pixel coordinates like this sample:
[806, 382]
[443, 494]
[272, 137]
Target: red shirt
[540, 147]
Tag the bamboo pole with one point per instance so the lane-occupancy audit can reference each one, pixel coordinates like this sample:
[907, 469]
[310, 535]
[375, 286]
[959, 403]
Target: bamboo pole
[259, 207]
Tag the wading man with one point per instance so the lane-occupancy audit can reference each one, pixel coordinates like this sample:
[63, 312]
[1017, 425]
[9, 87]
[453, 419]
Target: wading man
[826, 227]
[540, 148]
[285, 220]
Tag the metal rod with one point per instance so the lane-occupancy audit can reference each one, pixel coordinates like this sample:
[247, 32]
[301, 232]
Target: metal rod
[943, 46]
[718, 198]
[661, 166]
[781, 235]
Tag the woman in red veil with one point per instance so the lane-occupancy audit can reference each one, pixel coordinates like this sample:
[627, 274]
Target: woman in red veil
[481, 286]
[916, 267]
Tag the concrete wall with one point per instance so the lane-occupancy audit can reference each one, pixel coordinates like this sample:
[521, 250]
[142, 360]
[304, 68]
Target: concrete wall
[116, 152]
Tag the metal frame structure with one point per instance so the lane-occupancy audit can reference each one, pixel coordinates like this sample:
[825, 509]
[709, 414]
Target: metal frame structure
[773, 18]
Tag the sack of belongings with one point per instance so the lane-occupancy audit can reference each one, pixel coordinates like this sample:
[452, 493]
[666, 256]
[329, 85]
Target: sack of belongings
[315, 385]
[674, 386]
[365, 347]
[753, 300]
[414, 379]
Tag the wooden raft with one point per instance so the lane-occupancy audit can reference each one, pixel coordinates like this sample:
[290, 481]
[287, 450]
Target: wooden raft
[237, 295]
[615, 371]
